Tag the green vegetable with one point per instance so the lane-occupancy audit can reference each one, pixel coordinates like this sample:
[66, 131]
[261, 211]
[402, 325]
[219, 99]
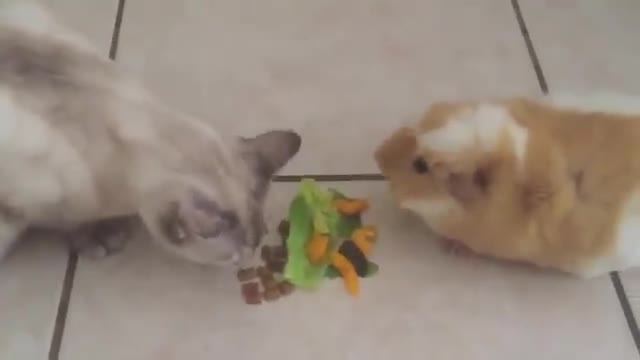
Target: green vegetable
[372, 270]
[312, 211]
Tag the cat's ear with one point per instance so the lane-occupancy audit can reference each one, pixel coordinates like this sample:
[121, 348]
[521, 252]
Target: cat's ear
[195, 216]
[270, 151]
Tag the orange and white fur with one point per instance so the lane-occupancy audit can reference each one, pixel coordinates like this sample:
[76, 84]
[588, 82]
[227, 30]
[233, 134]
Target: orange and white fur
[87, 150]
[553, 182]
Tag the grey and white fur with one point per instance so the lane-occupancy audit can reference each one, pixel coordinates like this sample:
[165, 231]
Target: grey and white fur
[87, 150]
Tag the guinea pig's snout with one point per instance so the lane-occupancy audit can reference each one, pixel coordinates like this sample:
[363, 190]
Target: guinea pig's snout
[400, 145]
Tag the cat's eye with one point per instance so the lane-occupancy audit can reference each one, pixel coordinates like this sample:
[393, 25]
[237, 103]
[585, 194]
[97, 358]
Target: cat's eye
[420, 165]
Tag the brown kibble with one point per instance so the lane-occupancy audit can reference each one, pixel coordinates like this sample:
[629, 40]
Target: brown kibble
[251, 293]
[270, 295]
[269, 283]
[266, 276]
[277, 266]
[283, 229]
[286, 288]
[263, 272]
[246, 274]
[279, 253]
[266, 253]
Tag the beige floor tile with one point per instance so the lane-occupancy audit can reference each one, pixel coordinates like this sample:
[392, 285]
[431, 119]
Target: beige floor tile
[31, 278]
[92, 18]
[586, 44]
[631, 282]
[422, 305]
[30, 285]
[631, 279]
[342, 73]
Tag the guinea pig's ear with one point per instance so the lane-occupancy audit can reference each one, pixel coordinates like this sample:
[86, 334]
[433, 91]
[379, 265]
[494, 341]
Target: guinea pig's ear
[269, 152]
[195, 216]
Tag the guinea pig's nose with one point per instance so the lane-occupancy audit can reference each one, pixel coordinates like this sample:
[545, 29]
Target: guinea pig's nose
[420, 165]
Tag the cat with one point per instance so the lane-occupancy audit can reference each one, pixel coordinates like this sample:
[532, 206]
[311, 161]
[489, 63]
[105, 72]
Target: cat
[86, 150]
[551, 181]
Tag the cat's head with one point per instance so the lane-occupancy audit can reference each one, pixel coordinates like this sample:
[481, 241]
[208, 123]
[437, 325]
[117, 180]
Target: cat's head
[219, 220]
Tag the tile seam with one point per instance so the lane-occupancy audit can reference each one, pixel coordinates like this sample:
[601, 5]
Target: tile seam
[115, 35]
[542, 82]
[329, 177]
[626, 308]
[533, 55]
[72, 259]
[63, 307]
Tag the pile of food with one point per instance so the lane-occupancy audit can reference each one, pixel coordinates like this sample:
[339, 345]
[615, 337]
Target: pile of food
[323, 238]
[266, 282]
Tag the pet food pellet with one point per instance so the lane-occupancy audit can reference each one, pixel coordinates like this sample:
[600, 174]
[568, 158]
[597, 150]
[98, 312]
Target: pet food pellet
[266, 278]
[263, 272]
[286, 288]
[279, 253]
[246, 274]
[266, 253]
[271, 285]
[283, 229]
[251, 293]
[270, 295]
[277, 266]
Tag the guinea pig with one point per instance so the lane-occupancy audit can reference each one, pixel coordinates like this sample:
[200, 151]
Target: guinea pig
[551, 181]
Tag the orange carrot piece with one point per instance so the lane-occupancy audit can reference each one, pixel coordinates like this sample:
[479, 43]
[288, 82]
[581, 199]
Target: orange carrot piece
[364, 237]
[316, 248]
[351, 206]
[367, 233]
[363, 244]
[348, 272]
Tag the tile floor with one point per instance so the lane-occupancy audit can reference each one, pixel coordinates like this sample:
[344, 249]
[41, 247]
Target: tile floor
[334, 70]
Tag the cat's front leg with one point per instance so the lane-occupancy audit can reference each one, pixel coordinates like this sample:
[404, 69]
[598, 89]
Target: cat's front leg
[104, 237]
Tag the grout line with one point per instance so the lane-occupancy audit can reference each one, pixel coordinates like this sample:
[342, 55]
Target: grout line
[72, 260]
[542, 81]
[115, 36]
[626, 308]
[113, 51]
[335, 177]
[63, 307]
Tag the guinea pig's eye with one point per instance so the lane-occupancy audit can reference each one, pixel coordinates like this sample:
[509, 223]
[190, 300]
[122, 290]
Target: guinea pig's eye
[420, 165]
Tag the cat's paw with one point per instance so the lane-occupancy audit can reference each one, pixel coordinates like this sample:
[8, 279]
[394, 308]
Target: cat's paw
[103, 238]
